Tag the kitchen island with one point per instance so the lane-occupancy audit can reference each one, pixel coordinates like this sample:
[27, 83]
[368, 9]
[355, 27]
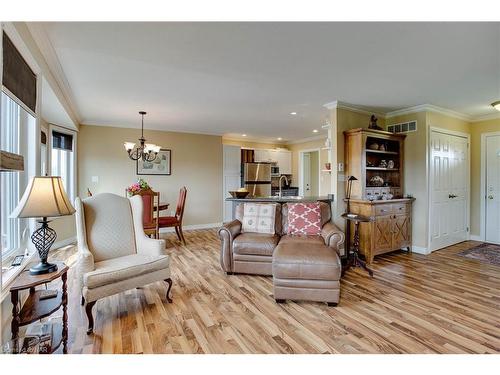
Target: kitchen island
[281, 200]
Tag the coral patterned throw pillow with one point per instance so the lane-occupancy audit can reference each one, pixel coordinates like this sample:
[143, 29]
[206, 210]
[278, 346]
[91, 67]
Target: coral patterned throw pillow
[304, 219]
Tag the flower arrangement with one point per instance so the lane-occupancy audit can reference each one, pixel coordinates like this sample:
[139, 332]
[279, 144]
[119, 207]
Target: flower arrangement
[137, 187]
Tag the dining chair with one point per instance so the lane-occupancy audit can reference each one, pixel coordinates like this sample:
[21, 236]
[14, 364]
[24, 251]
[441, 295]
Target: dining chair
[150, 211]
[176, 221]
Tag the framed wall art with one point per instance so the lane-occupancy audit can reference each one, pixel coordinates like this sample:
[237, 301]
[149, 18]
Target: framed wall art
[161, 166]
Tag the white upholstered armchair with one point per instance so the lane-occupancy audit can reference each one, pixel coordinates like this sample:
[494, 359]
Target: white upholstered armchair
[114, 253]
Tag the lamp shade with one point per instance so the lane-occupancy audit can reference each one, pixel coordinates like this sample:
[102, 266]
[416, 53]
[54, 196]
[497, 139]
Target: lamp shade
[43, 197]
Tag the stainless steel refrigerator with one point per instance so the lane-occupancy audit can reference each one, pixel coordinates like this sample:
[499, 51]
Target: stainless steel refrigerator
[257, 179]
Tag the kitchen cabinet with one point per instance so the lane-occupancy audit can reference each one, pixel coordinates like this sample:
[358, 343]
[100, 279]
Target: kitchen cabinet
[262, 155]
[283, 158]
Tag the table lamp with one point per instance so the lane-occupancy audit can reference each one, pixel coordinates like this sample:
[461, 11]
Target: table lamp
[44, 197]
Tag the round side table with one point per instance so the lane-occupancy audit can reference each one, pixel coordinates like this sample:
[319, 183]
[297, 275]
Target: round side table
[353, 259]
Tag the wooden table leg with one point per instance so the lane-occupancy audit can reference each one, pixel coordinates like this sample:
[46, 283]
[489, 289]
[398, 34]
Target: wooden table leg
[354, 259]
[64, 278]
[14, 325]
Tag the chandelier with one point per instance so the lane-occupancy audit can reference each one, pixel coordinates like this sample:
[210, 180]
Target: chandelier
[145, 151]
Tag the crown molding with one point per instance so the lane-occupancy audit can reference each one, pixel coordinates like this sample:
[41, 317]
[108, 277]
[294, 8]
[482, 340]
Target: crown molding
[337, 104]
[430, 108]
[48, 52]
[491, 116]
[255, 140]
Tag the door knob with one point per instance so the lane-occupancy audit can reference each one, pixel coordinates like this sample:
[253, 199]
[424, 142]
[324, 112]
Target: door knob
[452, 196]
[490, 196]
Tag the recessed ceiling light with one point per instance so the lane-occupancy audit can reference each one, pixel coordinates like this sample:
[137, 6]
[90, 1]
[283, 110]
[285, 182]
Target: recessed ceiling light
[243, 135]
[293, 113]
[315, 130]
[280, 139]
[496, 105]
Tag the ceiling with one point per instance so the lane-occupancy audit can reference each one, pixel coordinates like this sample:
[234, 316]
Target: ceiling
[246, 78]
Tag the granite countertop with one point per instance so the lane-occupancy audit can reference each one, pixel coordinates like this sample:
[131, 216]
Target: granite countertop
[278, 199]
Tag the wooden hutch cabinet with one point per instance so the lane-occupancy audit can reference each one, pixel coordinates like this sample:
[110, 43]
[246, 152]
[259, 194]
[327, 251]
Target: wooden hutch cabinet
[376, 159]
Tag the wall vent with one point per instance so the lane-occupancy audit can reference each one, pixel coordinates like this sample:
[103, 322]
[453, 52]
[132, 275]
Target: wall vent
[404, 127]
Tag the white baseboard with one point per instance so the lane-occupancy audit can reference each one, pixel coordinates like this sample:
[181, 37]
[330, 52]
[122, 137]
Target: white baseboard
[62, 243]
[420, 250]
[192, 227]
[473, 237]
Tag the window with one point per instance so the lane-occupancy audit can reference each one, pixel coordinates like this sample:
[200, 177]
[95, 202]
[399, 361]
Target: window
[17, 124]
[43, 153]
[63, 159]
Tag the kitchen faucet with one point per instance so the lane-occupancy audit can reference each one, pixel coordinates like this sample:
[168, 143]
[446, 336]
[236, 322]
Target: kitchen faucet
[286, 179]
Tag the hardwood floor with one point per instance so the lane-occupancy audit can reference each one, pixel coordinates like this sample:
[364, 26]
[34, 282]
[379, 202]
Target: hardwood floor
[441, 303]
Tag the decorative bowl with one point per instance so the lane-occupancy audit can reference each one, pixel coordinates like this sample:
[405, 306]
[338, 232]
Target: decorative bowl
[376, 181]
[373, 146]
[239, 194]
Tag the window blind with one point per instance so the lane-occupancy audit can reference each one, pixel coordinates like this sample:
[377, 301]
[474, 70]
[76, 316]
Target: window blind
[17, 76]
[62, 141]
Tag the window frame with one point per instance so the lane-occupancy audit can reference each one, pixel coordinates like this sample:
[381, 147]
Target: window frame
[31, 161]
[27, 133]
[52, 127]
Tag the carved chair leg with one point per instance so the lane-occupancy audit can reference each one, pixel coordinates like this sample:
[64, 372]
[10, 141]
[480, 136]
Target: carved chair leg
[83, 300]
[182, 235]
[177, 232]
[90, 318]
[169, 282]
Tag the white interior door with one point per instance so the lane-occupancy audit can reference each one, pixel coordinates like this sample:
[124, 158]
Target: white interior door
[449, 195]
[306, 177]
[493, 189]
[231, 177]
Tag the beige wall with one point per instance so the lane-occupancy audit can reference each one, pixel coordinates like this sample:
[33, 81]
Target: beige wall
[477, 129]
[323, 158]
[415, 173]
[196, 163]
[65, 228]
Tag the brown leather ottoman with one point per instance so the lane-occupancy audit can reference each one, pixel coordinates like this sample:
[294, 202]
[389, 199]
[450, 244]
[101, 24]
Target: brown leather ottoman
[306, 270]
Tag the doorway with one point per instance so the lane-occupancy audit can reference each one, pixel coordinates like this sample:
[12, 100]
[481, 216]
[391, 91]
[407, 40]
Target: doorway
[309, 173]
[449, 188]
[492, 188]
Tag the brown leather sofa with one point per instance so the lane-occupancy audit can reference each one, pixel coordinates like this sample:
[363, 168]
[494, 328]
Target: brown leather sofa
[303, 267]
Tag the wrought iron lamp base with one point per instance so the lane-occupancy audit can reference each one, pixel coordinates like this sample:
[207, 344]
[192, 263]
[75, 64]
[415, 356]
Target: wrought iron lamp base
[42, 268]
[43, 238]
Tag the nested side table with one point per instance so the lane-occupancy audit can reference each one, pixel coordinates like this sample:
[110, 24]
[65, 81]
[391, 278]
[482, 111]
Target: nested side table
[35, 308]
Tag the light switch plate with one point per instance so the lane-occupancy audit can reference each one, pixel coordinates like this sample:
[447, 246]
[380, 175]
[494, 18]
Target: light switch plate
[341, 167]
[95, 179]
